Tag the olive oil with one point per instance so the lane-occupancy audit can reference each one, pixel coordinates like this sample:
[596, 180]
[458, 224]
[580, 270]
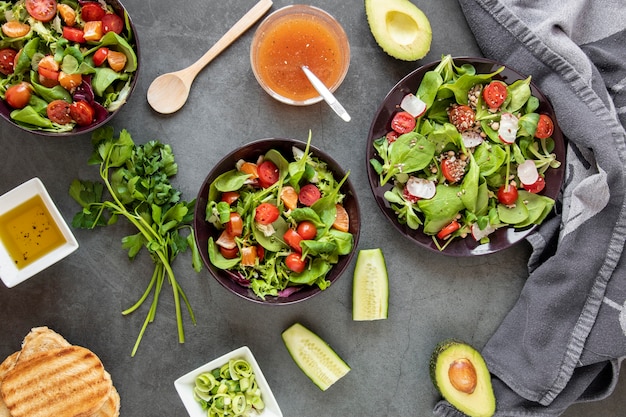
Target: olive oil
[29, 232]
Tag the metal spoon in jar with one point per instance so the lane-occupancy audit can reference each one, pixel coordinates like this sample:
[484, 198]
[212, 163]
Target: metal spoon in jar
[169, 92]
[326, 94]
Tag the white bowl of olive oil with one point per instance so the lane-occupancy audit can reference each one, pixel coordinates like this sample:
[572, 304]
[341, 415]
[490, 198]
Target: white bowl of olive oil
[33, 234]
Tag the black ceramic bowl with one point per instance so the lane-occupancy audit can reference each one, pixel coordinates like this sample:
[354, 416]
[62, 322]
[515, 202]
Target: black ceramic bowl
[120, 10]
[250, 152]
[501, 238]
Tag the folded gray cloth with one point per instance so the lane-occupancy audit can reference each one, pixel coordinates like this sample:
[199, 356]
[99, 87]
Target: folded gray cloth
[564, 339]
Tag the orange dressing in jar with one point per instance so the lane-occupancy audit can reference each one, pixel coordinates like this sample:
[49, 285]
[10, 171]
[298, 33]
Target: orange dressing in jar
[293, 41]
[29, 232]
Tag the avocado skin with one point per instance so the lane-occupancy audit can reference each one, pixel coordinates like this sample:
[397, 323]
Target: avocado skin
[482, 402]
[389, 23]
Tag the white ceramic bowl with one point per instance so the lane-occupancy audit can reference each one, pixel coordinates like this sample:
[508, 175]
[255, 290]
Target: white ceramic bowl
[10, 274]
[185, 384]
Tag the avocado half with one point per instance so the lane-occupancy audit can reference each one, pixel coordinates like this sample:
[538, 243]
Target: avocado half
[400, 28]
[460, 374]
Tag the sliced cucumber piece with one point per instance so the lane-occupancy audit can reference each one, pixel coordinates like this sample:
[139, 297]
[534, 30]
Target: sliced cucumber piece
[370, 287]
[314, 356]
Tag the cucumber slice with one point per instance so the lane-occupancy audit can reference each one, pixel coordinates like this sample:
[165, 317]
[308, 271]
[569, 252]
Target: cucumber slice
[314, 356]
[370, 287]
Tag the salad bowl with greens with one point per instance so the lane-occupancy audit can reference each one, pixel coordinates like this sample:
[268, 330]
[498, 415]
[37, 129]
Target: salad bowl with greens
[66, 66]
[277, 221]
[465, 156]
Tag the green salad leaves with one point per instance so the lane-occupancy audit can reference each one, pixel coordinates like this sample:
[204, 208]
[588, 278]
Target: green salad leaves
[135, 186]
[263, 252]
[470, 159]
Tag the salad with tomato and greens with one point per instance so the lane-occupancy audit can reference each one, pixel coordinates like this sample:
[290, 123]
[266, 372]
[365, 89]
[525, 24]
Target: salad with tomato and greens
[466, 154]
[64, 64]
[280, 222]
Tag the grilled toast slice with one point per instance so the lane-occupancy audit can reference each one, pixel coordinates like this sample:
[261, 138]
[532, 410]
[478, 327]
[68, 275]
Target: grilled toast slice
[62, 382]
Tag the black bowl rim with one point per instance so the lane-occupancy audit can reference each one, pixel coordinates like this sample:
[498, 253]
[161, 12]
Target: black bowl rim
[5, 110]
[502, 238]
[255, 149]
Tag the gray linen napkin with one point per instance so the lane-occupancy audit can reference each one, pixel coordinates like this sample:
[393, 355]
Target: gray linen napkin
[564, 340]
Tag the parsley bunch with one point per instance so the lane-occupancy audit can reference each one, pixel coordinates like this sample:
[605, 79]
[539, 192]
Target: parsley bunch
[136, 178]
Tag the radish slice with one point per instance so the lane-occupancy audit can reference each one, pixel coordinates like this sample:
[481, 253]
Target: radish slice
[413, 105]
[421, 188]
[478, 234]
[508, 128]
[471, 139]
[527, 172]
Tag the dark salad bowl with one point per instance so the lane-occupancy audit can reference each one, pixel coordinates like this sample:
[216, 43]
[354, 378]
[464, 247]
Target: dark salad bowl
[203, 230]
[101, 115]
[500, 239]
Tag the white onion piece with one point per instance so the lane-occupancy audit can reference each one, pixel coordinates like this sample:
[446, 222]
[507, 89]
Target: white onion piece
[527, 172]
[413, 105]
[508, 128]
[421, 188]
[471, 139]
[478, 234]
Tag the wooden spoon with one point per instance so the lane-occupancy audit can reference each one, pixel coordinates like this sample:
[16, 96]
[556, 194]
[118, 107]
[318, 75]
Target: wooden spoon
[169, 92]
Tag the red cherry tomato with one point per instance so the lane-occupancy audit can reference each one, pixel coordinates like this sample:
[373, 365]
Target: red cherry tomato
[535, 187]
[402, 122]
[494, 94]
[545, 127]
[73, 34]
[59, 112]
[266, 213]
[268, 173]
[391, 136]
[82, 113]
[307, 230]
[452, 170]
[7, 60]
[100, 56]
[230, 197]
[91, 12]
[309, 194]
[507, 194]
[234, 227]
[448, 230]
[43, 10]
[18, 95]
[293, 239]
[295, 262]
[229, 253]
[462, 117]
[112, 23]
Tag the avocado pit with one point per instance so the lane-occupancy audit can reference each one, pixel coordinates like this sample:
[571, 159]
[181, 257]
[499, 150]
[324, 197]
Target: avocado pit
[462, 375]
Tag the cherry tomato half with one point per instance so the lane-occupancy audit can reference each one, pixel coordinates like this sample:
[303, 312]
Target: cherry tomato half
[100, 56]
[73, 34]
[448, 230]
[452, 170]
[268, 173]
[230, 197]
[293, 239]
[91, 12]
[507, 194]
[112, 23]
[402, 122]
[229, 253]
[82, 113]
[495, 94]
[18, 95]
[266, 213]
[59, 112]
[307, 230]
[545, 127]
[462, 117]
[7, 60]
[535, 187]
[309, 194]
[295, 262]
[42, 10]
